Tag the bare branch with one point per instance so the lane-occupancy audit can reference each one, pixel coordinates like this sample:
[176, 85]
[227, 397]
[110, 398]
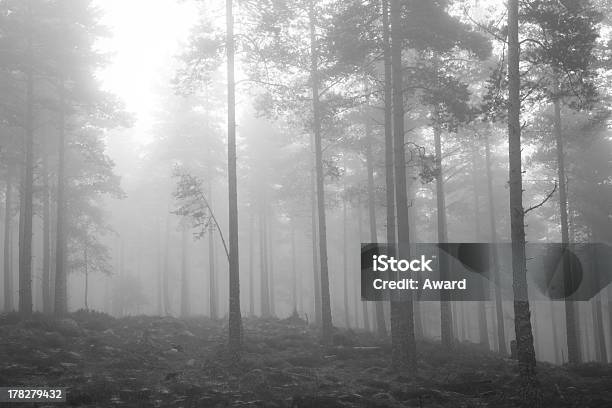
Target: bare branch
[548, 196]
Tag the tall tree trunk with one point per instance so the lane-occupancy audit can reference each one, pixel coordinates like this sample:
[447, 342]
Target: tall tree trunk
[251, 262]
[160, 273]
[61, 295]
[235, 318]
[271, 282]
[294, 277]
[534, 319]
[553, 323]
[326, 317]
[364, 304]
[86, 278]
[166, 271]
[598, 326]
[381, 327]
[483, 328]
[263, 261]
[25, 241]
[573, 348]
[213, 301]
[46, 244]
[403, 344]
[7, 270]
[316, 269]
[600, 339]
[609, 307]
[530, 392]
[446, 317]
[380, 316]
[499, 309]
[345, 278]
[184, 272]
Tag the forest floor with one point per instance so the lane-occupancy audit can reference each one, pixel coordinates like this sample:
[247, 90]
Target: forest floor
[167, 362]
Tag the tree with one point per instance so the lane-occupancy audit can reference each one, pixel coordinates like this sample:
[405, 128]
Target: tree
[235, 318]
[402, 317]
[562, 42]
[530, 392]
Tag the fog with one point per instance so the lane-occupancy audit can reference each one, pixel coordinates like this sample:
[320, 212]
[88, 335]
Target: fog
[153, 164]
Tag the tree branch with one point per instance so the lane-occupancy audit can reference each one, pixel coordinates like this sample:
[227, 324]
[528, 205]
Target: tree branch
[548, 196]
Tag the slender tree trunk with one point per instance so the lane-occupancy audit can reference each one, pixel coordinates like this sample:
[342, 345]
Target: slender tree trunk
[609, 307]
[364, 303]
[235, 318]
[315, 252]
[251, 262]
[554, 332]
[499, 310]
[46, 244]
[326, 317]
[293, 269]
[530, 392]
[380, 316]
[25, 241]
[345, 263]
[600, 339]
[263, 260]
[381, 327]
[86, 278]
[61, 295]
[573, 348]
[7, 270]
[160, 274]
[185, 310]
[166, 280]
[446, 317]
[403, 342]
[270, 251]
[598, 326]
[534, 318]
[483, 328]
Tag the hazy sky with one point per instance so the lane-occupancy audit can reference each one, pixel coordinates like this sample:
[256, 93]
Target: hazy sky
[145, 37]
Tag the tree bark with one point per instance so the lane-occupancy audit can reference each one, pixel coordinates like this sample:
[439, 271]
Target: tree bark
[483, 329]
[61, 295]
[499, 310]
[7, 270]
[600, 339]
[270, 263]
[530, 392]
[86, 279]
[364, 304]
[380, 316]
[403, 344]
[251, 262]
[235, 318]
[263, 261]
[446, 317]
[345, 278]
[166, 270]
[326, 317]
[25, 241]
[316, 270]
[160, 269]
[573, 348]
[381, 327]
[46, 244]
[293, 269]
[553, 323]
[184, 272]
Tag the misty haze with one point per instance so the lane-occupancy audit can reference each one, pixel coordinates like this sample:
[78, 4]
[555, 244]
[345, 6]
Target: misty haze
[192, 194]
